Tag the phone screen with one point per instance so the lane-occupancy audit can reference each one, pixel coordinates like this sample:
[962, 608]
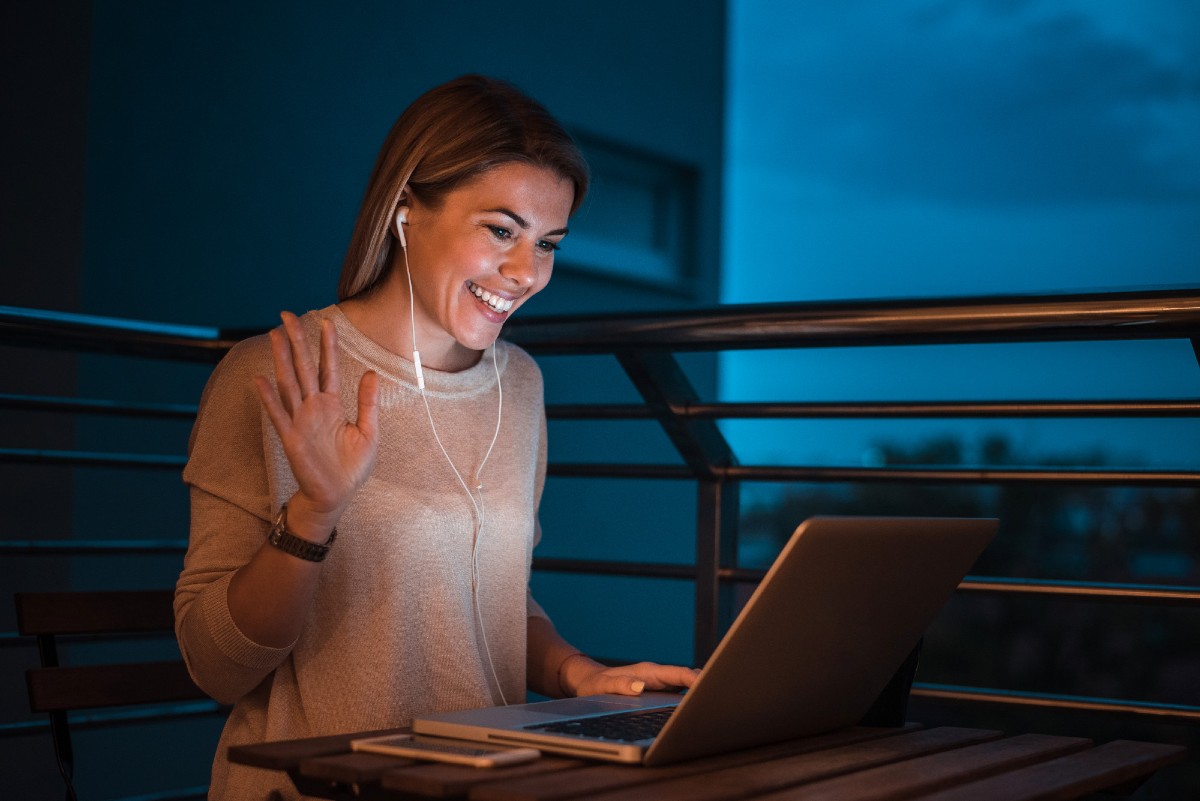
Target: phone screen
[458, 752]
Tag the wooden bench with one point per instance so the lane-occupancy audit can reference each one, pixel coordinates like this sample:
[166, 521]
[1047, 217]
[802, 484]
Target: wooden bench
[56, 689]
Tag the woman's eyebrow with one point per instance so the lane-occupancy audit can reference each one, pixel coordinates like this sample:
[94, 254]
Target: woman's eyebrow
[519, 220]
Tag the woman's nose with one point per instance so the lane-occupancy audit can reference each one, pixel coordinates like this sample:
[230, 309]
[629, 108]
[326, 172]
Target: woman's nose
[520, 267]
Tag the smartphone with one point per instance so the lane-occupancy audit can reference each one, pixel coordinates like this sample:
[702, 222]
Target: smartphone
[457, 752]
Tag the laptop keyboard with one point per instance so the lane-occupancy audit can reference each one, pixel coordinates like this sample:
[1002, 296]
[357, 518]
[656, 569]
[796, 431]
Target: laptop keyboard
[624, 726]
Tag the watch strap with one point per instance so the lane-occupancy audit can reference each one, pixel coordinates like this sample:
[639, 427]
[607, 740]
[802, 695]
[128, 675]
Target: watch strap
[299, 547]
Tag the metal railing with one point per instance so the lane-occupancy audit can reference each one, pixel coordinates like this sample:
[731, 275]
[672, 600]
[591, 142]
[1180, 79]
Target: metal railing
[645, 346]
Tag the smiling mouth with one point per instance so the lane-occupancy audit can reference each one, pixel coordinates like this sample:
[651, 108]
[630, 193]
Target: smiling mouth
[494, 302]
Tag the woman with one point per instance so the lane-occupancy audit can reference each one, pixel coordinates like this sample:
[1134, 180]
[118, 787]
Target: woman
[394, 434]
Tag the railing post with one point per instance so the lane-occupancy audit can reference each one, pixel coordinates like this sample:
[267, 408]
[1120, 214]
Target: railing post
[668, 394]
[717, 506]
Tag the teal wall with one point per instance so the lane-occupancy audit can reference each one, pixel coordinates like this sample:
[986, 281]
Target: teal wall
[201, 163]
[228, 145]
[227, 149]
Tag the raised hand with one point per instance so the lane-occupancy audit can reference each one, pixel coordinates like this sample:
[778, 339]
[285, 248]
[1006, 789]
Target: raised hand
[330, 456]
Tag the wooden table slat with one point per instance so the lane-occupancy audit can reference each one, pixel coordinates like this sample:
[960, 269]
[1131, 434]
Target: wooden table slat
[927, 774]
[598, 778]
[453, 781]
[287, 754]
[1071, 776]
[749, 781]
[354, 767]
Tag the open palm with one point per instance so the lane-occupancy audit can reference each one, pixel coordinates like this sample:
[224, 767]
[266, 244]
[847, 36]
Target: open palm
[330, 456]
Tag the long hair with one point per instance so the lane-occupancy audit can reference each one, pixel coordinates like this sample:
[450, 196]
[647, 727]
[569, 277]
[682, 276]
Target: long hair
[449, 135]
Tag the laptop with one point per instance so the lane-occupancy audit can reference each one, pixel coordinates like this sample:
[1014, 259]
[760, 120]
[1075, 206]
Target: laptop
[844, 604]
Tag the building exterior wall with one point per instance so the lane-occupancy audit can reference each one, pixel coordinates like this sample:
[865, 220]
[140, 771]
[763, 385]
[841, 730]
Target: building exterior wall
[207, 163]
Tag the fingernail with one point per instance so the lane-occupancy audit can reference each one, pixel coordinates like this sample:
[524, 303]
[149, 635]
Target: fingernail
[638, 686]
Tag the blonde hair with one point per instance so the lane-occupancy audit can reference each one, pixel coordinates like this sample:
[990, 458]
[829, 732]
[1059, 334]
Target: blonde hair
[449, 135]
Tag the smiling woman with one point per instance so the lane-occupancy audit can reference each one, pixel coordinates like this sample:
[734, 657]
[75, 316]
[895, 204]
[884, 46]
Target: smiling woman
[363, 525]
[468, 260]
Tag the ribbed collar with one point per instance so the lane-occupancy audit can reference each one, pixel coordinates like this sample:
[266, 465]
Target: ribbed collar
[399, 374]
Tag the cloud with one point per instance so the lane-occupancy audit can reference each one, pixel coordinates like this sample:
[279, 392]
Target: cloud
[1003, 102]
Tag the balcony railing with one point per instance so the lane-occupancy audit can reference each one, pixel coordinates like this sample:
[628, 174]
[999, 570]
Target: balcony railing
[645, 345]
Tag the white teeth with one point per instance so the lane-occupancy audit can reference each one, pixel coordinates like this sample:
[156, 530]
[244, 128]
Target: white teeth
[494, 302]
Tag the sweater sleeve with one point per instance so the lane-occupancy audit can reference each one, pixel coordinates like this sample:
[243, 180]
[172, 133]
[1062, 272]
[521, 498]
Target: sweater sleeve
[230, 515]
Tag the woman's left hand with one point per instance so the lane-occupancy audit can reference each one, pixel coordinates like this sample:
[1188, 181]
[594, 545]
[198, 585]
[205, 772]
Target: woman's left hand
[626, 679]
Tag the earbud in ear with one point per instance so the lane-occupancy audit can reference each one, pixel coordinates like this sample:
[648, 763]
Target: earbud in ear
[401, 221]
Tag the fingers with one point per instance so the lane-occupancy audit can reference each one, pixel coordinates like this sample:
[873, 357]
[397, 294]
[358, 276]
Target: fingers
[329, 368]
[612, 682]
[285, 374]
[623, 685]
[635, 679]
[295, 374]
[304, 369]
[661, 677]
[270, 401]
[368, 404]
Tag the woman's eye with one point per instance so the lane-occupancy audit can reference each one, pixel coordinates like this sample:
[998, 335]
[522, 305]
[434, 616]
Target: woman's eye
[547, 245]
[500, 232]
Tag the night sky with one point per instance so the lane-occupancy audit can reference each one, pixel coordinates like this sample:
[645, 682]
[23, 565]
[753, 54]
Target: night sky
[924, 148]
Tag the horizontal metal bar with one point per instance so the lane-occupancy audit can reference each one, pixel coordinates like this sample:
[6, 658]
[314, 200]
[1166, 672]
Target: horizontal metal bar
[930, 475]
[47, 403]
[86, 333]
[69, 547]
[614, 470]
[1142, 594]
[598, 411]
[847, 475]
[92, 459]
[1173, 314]
[1076, 590]
[95, 720]
[1164, 314]
[635, 569]
[1180, 713]
[923, 409]
[703, 411]
[17, 639]
[1084, 591]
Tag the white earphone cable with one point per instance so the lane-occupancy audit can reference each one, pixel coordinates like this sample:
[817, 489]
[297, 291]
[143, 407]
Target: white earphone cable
[478, 506]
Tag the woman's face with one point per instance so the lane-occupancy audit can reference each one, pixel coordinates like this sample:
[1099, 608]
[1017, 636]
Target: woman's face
[481, 254]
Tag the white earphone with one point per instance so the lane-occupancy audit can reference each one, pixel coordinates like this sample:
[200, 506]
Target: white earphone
[401, 220]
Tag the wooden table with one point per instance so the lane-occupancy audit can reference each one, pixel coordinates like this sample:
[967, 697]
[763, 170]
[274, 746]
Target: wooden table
[947, 764]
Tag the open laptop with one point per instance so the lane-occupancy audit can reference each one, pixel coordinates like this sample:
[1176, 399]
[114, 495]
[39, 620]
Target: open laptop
[843, 605]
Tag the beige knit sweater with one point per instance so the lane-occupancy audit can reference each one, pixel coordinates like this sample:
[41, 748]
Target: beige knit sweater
[393, 629]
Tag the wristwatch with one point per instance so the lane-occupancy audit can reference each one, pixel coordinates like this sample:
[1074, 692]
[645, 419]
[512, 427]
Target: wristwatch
[288, 542]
